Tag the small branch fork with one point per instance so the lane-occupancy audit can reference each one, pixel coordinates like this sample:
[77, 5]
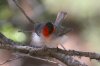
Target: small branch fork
[62, 55]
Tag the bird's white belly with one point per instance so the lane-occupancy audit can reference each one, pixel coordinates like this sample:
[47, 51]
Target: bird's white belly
[55, 42]
[51, 43]
[36, 40]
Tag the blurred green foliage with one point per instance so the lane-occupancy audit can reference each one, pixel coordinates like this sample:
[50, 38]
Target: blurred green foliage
[7, 27]
[3, 3]
[9, 31]
[5, 13]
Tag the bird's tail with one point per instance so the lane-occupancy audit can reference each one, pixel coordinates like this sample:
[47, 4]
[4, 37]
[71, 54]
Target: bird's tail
[60, 17]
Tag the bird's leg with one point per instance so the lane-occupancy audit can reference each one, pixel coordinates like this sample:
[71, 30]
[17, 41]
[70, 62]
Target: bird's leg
[62, 46]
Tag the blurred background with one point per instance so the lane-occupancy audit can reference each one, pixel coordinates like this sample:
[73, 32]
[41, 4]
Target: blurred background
[83, 16]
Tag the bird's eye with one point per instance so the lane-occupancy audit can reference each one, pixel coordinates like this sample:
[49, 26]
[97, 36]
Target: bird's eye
[48, 29]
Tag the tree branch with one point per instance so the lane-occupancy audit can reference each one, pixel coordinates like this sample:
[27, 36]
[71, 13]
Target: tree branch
[43, 52]
[91, 55]
[62, 55]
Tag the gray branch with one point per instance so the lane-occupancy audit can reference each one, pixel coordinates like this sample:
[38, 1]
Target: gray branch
[62, 55]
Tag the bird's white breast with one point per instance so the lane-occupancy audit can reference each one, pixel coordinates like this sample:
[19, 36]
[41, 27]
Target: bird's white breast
[40, 41]
[55, 42]
[36, 40]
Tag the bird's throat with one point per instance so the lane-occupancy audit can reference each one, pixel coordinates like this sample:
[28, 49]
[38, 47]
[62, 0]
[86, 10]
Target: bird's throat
[48, 29]
[46, 32]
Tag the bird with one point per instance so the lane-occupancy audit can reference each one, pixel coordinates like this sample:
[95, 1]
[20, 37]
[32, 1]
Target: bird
[49, 34]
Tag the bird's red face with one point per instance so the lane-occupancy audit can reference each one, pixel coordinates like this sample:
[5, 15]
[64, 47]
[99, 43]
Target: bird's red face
[48, 29]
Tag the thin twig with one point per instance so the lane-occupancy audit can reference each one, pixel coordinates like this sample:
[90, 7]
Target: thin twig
[22, 10]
